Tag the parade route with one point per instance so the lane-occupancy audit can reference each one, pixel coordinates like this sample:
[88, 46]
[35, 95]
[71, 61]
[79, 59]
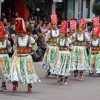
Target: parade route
[88, 89]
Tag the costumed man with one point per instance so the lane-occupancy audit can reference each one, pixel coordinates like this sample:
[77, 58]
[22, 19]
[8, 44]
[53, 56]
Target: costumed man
[79, 56]
[95, 52]
[62, 63]
[22, 65]
[5, 47]
[52, 49]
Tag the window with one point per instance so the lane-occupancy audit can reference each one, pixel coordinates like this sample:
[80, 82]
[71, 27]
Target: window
[70, 8]
[87, 8]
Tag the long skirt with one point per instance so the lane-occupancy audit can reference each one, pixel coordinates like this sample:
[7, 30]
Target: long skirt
[62, 64]
[80, 59]
[4, 67]
[49, 57]
[23, 70]
[95, 63]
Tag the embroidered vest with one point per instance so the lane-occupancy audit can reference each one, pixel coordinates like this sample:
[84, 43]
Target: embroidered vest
[63, 48]
[24, 50]
[4, 50]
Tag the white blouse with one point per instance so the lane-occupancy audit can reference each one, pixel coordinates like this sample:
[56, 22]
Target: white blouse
[62, 42]
[95, 43]
[4, 44]
[22, 41]
[53, 33]
[80, 37]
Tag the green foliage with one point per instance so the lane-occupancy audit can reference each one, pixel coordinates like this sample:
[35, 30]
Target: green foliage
[96, 7]
[32, 3]
[48, 2]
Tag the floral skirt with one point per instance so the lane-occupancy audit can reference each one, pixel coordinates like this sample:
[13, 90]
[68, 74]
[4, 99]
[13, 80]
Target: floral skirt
[49, 57]
[62, 64]
[95, 63]
[79, 59]
[4, 67]
[23, 70]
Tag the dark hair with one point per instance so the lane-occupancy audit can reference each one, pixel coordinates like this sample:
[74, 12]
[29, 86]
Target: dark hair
[5, 24]
[35, 26]
[43, 24]
[3, 19]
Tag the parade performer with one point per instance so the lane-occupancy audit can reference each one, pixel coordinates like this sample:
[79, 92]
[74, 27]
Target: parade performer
[79, 56]
[62, 63]
[22, 65]
[72, 31]
[95, 52]
[94, 55]
[52, 49]
[5, 47]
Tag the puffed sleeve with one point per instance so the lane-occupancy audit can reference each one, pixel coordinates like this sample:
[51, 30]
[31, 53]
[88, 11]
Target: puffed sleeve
[47, 36]
[87, 37]
[69, 41]
[15, 44]
[9, 46]
[74, 37]
[33, 44]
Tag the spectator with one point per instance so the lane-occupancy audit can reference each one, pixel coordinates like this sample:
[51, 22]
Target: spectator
[32, 28]
[27, 26]
[40, 23]
[41, 45]
[16, 15]
[4, 20]
[44, 28]
[9, 17]
[37, 29]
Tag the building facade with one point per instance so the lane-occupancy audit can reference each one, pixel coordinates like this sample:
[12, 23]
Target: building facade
[14, 6]
[66, 9]
[69, 9]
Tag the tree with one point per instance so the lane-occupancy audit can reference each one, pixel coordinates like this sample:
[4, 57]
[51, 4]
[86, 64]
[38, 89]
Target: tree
[32, 3]
[46, 6]
[96, 7]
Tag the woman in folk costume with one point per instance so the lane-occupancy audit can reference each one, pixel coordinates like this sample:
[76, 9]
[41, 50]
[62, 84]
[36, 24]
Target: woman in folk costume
[61, 66]
[79, 56]
[5, 47]
[52, 49]
[22, 65]
[72, 31]
[95, 52]
[95, 48]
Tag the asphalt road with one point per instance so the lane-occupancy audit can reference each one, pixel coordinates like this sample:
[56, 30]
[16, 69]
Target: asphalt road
[88, 89]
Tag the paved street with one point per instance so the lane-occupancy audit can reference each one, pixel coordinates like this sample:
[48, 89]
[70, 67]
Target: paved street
[88, 89]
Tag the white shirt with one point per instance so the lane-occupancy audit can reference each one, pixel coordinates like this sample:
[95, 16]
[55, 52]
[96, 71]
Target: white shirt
[95, 43]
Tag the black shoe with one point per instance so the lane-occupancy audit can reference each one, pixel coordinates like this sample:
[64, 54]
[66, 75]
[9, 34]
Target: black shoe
[49, 73]
[98, 74]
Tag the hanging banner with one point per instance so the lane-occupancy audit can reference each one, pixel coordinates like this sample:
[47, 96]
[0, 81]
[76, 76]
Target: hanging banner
[57, 0]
